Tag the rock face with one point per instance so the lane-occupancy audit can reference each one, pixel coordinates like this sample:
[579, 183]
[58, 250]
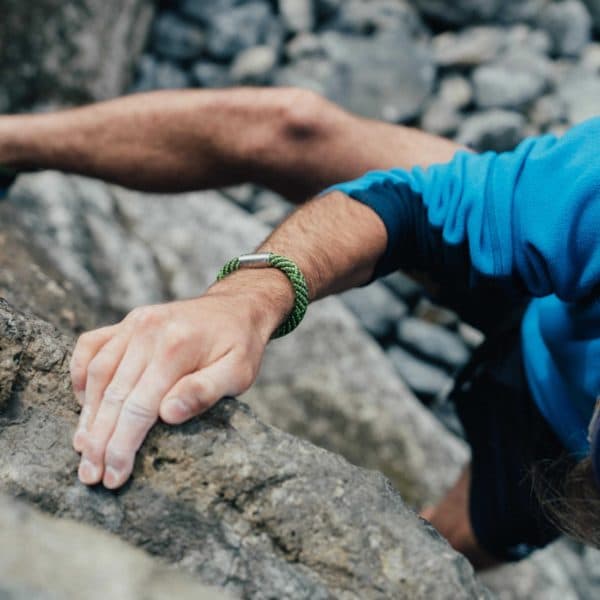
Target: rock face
[51, 558]
[55, 52]
[237, 503]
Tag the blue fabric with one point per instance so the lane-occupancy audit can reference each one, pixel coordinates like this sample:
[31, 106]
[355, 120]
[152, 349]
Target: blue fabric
[529, 219]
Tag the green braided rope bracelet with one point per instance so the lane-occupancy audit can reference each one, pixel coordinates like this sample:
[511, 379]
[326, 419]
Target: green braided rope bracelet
[292, 272]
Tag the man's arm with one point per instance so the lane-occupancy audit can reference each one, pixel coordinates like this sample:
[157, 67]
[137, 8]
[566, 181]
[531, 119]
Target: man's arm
[290, 140]
[176, 360]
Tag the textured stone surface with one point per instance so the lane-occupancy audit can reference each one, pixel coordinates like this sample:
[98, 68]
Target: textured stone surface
[235, 502]
[423, 378]
[375, 76]
[376, 307]
[502, 86]
[55, 52]
[569, 26]
[493, 129]
[433, 342]
[60, 559]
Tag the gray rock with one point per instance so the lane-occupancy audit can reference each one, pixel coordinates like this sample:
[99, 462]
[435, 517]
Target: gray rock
[176, 39]
[240, 28]
[77, 225]
[466, 12]
[155, 75]
[304, 45]
[471, 47]
[594, 8]
[209, 74]
[580, 93]
[433, 342]
[463, 12]
[558, 572]
[297, 15]
[423, 378]
[254, 65]
[41, 289]
[404, 286]
[69, 53]
[498, 130]
[51, 558]
[590, 58]
[456, 91]
[440, 118]
[327, 9]
[376, 307]
[436, 314]
[546, 111]
[569, 26]
[500, 86]
[471, 336]
[365, 18]
[240, 505]
[204, 10]
[388, 75]
[522, 37]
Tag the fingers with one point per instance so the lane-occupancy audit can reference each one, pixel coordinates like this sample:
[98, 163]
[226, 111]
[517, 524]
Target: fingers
[100, 371]
[196, 393]
[139, 413]
[86, 348]
[115, 394]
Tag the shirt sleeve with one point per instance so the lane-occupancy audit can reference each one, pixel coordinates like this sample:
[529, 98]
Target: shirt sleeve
[530, 217]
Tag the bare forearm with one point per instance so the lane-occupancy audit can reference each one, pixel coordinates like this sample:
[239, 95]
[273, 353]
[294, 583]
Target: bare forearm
[160, 141]
[335, 241]
[289, 140]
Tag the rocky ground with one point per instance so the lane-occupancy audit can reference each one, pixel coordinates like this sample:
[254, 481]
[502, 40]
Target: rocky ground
[351, 380]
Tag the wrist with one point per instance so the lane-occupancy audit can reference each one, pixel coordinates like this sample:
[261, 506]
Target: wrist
[266, 296]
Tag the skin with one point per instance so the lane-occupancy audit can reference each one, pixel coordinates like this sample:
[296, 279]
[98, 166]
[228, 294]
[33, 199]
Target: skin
[174, 361]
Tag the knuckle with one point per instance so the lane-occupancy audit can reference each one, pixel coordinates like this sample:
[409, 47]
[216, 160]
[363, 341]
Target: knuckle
[118, 457]
[94, 448]
[144, 316]
[139, 412]
[174, 340]
[97, 368]
[245, 376]
[114, 395]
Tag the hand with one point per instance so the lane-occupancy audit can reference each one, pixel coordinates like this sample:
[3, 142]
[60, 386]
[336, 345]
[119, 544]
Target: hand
[174, 361]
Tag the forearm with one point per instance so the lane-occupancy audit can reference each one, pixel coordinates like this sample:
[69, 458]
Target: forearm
[290, 140]
[159, 141]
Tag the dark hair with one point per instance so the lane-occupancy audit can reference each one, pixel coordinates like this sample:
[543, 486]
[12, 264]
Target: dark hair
[569, 497]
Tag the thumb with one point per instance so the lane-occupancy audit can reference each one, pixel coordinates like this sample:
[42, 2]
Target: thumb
[196, 393]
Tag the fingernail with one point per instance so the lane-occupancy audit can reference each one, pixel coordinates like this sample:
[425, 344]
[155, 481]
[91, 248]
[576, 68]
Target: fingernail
[177, 408]
[80, 397]
[112, 477]
[88, 472]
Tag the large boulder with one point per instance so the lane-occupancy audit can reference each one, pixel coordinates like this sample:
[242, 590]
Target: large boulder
[53, 559]
[235, 502]
[467, 12]
[328, 382]
[594, 8]
[387, 76]
[54, 52]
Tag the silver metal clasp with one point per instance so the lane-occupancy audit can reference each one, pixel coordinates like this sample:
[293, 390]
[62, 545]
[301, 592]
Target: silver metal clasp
[255, 261]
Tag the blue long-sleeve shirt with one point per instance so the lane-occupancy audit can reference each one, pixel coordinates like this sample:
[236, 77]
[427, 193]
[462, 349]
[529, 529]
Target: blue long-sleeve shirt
[526, 220]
